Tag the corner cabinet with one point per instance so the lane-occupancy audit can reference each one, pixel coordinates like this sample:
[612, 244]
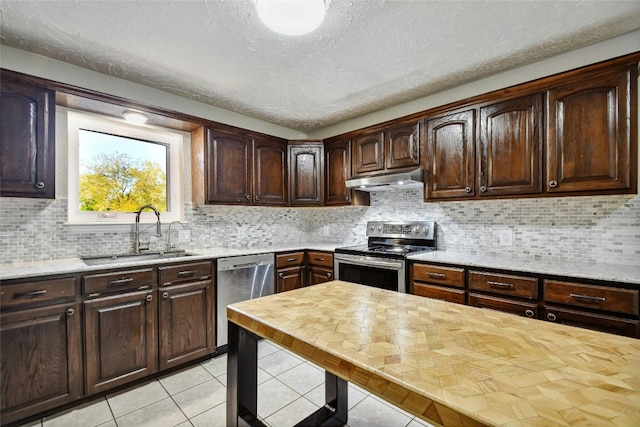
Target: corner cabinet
[27, 140]
[589, 133]
[306, 172]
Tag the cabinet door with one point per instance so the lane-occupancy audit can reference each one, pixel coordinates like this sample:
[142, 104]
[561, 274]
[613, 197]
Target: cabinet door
[270, 182]
[450, 156]
[41, 359]
[120, 339]
[403, 146]
[186, 323]
[588, 133]
[289, 278]
[509, 160]
[368, 152]
[438, 292]
[337, 157]
[596, 322]
[306, 170]
[27, 141]
[228, 168]
[319, 275]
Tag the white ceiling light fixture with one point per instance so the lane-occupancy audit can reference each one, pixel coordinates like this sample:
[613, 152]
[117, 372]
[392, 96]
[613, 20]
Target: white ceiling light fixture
[292, 17]
[135, 117]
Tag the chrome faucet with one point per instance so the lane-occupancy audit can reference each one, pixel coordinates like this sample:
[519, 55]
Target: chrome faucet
[169, 247]
[137, 247]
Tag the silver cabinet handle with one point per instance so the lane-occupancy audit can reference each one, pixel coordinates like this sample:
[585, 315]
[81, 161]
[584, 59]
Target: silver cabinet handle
[553, 184]
[120, 282]
[39, 185]
[346, 198]
[248, 197]
[329, 275]
[528, 313]
[290, 259]
[319, 259]
[483, 189]
[257, 198]
[500, 285]
[281, 275]
[186, 273]
[552, 317]
[31, 294]
[467, 189]
[439, 276]
[317, 199]
[588, 298]
[165, 295]
[149, 298]
[70, 311]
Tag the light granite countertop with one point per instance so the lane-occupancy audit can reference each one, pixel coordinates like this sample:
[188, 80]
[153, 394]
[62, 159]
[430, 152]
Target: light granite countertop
[76, 265]
[595, 271]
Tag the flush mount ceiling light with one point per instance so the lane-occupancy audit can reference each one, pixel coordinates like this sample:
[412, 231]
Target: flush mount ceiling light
[135, 117]
[292, 17]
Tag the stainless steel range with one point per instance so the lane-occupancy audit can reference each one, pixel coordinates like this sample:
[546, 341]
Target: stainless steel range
[382, 262]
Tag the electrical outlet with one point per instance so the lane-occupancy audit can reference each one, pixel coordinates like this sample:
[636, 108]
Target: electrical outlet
[505, 237]
[326, 231]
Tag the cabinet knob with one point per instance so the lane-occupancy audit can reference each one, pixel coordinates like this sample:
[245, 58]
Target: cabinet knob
[248, 197]
[149, 298]
[70, 311]
[281, 275]
[552, 317]
[256, 198]
[467, 189]
[553, 184]
[39, 185]
[346, 198]
[329, 275]
[317, 199]
[483, 189]
[528, 313]
[165, 295]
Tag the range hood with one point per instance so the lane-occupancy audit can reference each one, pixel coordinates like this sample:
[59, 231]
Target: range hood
[401, 180]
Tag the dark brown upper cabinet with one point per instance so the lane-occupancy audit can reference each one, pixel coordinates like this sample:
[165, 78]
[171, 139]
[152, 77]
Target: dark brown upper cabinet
[229, 167]
[589, 133]
[27, 141]
[368, 153]
[337, 157]
[510, 150]
[403, 146]
[306, 172]
[450, 158]
[270, 179]
[245, 170]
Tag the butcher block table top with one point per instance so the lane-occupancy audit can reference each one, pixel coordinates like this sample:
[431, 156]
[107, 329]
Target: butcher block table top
[452, 364]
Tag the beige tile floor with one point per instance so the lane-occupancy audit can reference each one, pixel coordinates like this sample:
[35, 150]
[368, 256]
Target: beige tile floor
[289, 389]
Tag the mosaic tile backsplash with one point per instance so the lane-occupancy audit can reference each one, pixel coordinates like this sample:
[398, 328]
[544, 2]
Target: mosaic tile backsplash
[591, 229]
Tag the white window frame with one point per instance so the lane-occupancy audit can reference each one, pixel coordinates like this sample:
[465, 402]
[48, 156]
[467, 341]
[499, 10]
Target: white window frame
[174, 141]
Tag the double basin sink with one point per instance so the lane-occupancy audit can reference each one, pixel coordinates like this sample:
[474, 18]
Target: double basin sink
[120, 258]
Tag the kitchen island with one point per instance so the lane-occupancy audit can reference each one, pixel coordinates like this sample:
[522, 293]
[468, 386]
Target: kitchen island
[449, 364]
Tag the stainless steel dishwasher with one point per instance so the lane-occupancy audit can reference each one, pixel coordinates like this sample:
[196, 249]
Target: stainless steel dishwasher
[240, 278]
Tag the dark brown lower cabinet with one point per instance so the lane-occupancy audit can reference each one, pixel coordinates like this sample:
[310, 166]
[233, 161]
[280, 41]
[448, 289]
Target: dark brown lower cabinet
[186, 323]
[289, 278]
[41, 359]
[520, 308]
[319, 275]
[121, 339]
[597, 322]
[438, 292]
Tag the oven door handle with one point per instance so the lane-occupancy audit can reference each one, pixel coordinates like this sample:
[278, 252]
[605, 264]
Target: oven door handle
[369, 262]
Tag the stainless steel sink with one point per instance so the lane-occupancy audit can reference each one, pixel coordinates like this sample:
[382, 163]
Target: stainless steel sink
[119, 258]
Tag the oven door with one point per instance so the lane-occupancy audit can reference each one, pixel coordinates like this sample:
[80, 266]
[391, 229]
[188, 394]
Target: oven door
[378, 272]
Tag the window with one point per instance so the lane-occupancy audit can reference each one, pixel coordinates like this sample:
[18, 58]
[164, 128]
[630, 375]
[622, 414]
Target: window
[116, 167]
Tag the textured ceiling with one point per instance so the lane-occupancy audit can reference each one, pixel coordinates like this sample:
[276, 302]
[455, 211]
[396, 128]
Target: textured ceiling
[367, 55]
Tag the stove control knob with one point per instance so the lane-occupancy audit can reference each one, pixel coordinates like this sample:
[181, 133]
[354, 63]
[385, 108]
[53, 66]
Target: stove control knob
[425, 229]
[372, 228]
[380, 228]
[416, 229]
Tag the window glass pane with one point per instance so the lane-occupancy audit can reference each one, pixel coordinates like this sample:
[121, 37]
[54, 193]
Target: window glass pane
[120, 174]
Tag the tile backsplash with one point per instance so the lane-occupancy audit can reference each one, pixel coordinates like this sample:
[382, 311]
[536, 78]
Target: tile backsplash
[586, 229]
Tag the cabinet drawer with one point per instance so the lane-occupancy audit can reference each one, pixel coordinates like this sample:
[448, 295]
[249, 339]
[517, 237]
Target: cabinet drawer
[118, 281]
[36, 292]
[504, 284]
[290, 259]
[439, 292]
[184, 272]
[618, 300]
[519, 308]
[322, 259]
[597, 322]
[441, 275]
